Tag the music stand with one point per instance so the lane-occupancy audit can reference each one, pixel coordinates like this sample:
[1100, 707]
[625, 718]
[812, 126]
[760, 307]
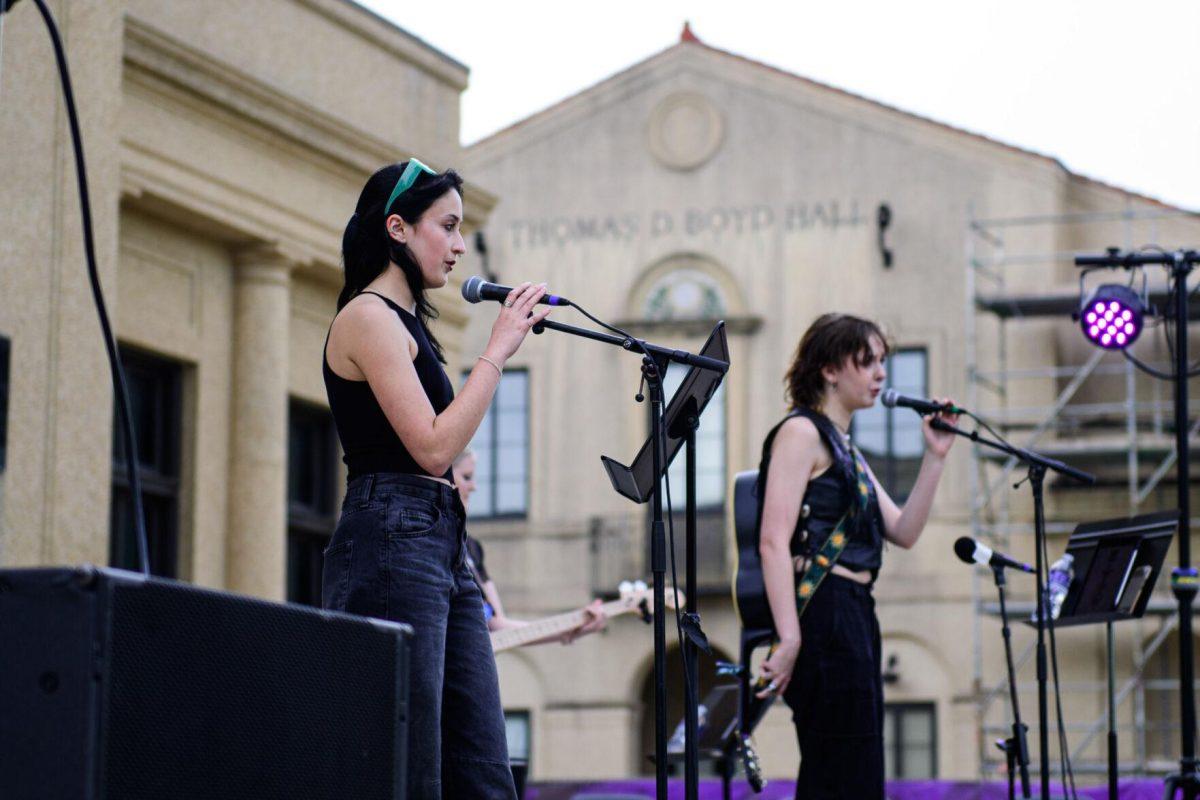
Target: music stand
[636, 481]
[1116, 564]
[639, 482]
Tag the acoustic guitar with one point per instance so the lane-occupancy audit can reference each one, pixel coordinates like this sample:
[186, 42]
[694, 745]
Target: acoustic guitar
[634, 596]
[749, 590]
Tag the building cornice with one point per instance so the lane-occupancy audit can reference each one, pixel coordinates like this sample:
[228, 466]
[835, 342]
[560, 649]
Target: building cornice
[391, 37]
[153, 55]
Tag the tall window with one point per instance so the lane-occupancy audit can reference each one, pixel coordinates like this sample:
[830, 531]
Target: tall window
[501, 448]
[910, 740]
[154, 394]
[312, 473]
[4, 350]
[891, 438]
[710, 449]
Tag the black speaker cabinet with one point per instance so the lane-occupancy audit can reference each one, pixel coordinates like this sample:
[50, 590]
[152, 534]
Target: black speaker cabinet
[119, 687]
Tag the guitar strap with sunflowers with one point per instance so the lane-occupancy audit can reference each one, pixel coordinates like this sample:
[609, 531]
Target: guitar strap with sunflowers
[829, 552]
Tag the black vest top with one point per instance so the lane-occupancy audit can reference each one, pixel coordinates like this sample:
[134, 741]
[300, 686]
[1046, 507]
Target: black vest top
[828, 497]
[368, 440]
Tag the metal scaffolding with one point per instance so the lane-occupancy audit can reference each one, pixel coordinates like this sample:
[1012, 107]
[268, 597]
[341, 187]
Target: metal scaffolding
[1020, 275]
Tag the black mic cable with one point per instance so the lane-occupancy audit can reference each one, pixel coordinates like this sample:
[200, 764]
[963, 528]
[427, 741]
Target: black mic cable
[120, 387]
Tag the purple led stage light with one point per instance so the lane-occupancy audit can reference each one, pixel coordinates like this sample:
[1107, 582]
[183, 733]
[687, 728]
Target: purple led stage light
[1112, 317]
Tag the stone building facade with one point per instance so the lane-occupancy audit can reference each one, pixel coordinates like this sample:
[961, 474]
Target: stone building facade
[226, 145]
[699, 185]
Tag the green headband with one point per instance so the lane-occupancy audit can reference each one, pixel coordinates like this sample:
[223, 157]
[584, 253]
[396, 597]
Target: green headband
[407, 179]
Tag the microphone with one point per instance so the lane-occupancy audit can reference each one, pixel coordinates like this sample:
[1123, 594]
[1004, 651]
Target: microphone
[476, 289]
[892, 398]
[973, 552]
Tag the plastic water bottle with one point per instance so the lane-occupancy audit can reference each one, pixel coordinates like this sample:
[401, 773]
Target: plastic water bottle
[1062, 572]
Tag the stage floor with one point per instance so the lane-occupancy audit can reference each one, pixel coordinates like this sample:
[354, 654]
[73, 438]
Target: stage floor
[710, 789]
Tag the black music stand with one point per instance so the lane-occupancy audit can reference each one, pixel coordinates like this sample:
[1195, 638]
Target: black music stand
[638, 482]
[1117, 562]
[717, 725]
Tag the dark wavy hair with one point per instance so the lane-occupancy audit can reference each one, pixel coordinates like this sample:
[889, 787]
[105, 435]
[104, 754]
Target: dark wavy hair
[366, 247]
[828, 342]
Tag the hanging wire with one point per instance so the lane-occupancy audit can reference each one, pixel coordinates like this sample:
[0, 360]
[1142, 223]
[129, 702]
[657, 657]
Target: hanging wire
[2, 55]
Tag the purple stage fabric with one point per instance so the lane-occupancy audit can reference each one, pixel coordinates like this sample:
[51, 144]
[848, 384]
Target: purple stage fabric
[710, 789]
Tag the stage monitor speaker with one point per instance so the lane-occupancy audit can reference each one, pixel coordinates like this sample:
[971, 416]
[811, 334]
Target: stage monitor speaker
[117, 687]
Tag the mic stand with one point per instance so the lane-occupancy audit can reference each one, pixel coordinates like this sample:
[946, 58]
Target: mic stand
[1016, 748]
[654, 364]
[1038, 464]
[685, 427]
[1185, 580]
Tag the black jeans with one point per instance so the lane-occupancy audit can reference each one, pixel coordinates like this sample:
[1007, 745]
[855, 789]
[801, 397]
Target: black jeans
[836, 695]
[398, 553]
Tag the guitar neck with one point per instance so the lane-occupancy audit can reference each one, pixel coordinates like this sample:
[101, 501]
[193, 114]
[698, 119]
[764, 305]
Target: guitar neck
[557, 625]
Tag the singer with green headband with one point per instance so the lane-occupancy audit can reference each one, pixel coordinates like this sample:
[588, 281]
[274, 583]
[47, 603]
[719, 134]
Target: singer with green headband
[398, 551]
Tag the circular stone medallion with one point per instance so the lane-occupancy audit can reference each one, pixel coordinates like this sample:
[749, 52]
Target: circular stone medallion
[685, 130]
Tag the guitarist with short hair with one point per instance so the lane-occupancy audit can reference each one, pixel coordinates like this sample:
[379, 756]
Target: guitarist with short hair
[463, 469]
[825, 561]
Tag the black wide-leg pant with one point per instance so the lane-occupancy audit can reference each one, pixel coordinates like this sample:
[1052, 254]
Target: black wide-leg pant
[836, 695]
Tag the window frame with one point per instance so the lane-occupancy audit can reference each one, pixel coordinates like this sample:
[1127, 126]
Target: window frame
[473, 514]
[894, 738]
[161, 481]
[887, 473]
[310, 526]
[679, 488]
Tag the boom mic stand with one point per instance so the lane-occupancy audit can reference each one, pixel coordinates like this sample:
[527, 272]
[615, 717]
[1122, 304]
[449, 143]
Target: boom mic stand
[1038, 465]
[1184, 577]
[654, 363]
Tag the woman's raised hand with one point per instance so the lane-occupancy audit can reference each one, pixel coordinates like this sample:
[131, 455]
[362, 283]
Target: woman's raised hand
[515, 320]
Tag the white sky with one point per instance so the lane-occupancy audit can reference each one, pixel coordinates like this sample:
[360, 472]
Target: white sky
[1109, 87]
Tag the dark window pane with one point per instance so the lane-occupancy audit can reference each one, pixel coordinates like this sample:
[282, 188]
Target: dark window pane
[154, 396]
[305, 560]
[312, 471]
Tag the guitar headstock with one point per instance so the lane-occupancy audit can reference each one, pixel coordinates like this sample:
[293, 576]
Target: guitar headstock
[633, 593]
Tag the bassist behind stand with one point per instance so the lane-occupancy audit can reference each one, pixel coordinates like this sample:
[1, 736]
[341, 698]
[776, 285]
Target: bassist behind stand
[833, 683]
[464, 480]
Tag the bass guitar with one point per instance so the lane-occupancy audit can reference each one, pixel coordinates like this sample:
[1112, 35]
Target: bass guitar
[634, 596]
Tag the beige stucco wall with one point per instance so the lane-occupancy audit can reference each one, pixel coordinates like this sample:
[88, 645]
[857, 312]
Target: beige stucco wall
[588, 205]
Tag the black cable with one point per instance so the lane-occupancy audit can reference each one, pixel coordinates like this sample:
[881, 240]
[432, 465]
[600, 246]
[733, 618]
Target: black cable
[120, 388]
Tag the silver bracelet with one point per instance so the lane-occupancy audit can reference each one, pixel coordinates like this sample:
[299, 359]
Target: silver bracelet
[499, 371]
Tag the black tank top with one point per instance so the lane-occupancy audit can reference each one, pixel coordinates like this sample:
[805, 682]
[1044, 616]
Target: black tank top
[368, 440]
[828, 496]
